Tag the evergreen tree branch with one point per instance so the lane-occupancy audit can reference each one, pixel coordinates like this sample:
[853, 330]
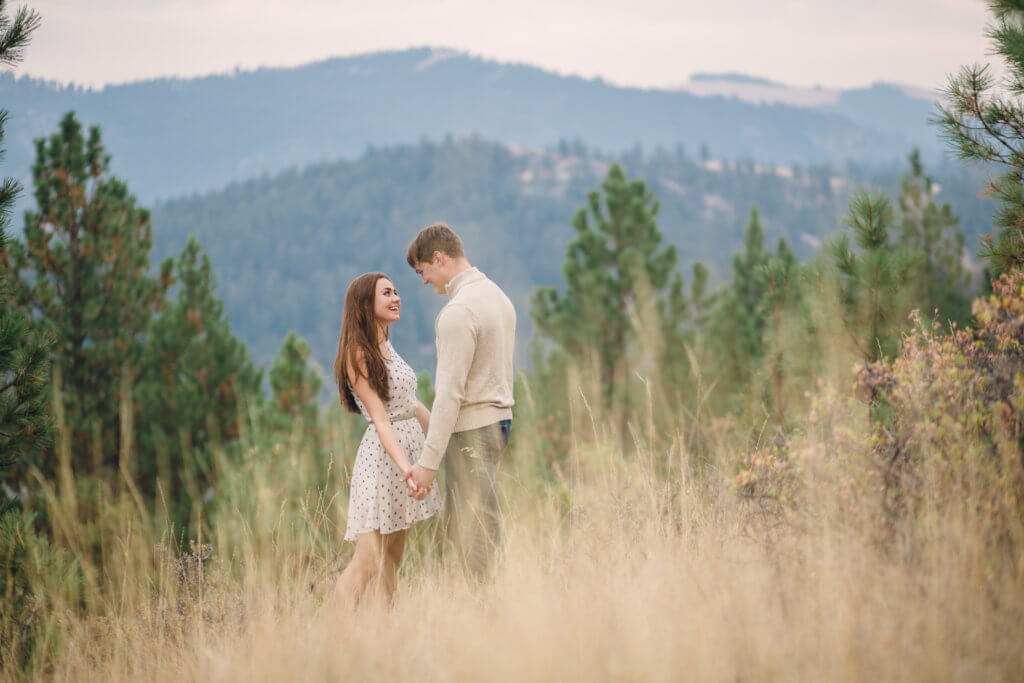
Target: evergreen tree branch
[15, 34]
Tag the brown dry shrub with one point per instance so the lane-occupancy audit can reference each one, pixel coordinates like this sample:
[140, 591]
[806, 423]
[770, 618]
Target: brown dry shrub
[948, 418]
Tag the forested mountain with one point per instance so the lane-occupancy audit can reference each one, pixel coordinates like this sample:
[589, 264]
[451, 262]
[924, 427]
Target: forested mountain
[174, 136]
[285, 247]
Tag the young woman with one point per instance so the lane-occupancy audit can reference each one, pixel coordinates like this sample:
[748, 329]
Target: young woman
[374, 381]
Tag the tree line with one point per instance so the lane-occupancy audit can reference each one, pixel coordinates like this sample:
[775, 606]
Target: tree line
[305, 233]
[137, 370]
[625, 303]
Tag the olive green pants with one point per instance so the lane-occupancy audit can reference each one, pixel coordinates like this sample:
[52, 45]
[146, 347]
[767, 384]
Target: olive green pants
[471, 518]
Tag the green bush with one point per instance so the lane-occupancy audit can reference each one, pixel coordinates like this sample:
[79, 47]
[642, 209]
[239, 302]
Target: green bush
[37, 579]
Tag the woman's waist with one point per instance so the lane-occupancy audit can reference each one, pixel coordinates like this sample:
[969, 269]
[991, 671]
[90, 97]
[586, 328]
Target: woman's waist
[393, 419]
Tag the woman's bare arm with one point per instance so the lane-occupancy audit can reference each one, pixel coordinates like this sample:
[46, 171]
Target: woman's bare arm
[379, 416]
[422, 416]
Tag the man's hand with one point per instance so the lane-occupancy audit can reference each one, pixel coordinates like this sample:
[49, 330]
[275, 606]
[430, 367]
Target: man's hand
[422, 478]
[414, 491]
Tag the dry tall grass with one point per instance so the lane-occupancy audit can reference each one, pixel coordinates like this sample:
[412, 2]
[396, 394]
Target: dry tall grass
[622, 562]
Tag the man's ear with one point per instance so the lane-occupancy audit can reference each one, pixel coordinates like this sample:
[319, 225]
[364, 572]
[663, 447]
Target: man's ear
[440, 259]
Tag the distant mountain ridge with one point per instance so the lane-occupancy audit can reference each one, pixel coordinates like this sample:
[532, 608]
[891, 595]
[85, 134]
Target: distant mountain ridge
[734, 77]
[286, 246]
[171, 137]
[886, 107]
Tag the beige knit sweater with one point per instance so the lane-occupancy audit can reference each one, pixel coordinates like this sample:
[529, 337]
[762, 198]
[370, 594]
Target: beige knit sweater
[476, 333]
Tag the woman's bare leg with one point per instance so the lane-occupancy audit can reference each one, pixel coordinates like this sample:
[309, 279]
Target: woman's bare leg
[391, 557]
[361, 570]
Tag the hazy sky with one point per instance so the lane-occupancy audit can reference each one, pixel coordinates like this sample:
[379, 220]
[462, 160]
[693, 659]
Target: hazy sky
[630, 42]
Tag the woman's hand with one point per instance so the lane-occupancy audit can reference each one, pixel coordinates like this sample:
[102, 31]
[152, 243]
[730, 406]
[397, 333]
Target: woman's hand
[385, 430]
[414, 491]
[417, 492]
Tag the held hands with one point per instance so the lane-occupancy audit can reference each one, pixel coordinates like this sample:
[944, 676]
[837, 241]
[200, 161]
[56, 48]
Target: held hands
[414, 491]
[419, 493]
[420, 480]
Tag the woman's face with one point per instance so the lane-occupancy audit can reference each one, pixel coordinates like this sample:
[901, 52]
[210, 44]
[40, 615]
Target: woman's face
[386, 303]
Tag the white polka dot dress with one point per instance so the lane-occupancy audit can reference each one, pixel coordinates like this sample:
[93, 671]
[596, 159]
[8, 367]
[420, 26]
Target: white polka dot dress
[378, 498]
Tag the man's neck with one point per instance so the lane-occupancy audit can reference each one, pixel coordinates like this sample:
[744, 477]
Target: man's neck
[458, 267]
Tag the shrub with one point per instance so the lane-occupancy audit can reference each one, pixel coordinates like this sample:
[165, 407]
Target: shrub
[948, 418]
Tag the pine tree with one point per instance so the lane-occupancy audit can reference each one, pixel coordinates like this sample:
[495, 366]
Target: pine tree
[872, 284]
[15, 33]
[681, 331]
[25, 423]
[195, 380]
[25, 427]
[83, 271]
[752, 315]
[295, 385]
[617, 274]
[985, 124]
[737, 321]
[701, 298]
[941, 282]
[787, 328]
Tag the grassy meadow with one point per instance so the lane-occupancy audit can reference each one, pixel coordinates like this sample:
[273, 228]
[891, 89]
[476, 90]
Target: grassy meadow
[791, 471]
[689, 546]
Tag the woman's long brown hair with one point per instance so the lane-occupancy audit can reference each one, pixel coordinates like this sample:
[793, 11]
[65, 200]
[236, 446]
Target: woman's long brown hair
[359, 332]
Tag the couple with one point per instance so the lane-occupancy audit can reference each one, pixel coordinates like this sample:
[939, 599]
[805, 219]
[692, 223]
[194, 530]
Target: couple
[393, 477]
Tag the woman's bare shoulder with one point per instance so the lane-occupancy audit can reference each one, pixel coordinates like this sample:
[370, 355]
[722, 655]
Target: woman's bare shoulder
[355, 365]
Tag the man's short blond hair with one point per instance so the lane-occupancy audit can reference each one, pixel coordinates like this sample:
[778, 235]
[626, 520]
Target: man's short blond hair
[434, 237]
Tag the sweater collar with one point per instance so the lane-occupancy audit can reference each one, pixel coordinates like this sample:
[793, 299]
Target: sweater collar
[461, 280]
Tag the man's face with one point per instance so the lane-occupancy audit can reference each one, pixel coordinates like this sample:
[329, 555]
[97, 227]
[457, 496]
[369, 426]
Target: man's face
[432, 273]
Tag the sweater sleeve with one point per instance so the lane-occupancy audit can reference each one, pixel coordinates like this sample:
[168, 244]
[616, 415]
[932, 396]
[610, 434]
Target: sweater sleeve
[456, 345]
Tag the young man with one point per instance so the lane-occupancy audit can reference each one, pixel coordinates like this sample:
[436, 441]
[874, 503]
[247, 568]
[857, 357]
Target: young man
[472, 411]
